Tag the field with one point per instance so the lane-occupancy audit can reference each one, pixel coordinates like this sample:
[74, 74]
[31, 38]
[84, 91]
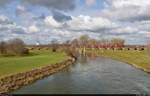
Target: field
[35, 59]
[140, 58]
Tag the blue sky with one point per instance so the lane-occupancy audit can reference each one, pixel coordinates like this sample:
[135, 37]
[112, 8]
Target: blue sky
[44, 20]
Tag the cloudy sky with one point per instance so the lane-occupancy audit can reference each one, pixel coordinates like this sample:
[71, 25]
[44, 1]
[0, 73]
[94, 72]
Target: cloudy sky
[44, 20]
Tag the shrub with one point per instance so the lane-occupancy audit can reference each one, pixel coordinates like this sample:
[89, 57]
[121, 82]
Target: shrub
[54, 45]
[70, 51]
[16, 47]
[3, 48]
[26, 51]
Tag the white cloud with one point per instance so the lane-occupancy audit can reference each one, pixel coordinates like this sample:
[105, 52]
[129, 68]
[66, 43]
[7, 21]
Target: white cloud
[130, 10]
[23, 12]
[5, 20]
[94, 26]
[82, 23]
[90, 2]
[98, 27]
[126, 30]
[123, 3]
[145, 33]
[90, 23]
[33, 28]
[52, 22]
[20, 8]
[6, 25]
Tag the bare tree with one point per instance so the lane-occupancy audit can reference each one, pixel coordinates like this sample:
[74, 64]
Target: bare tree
[16, 47]
[70, 49]
[117, 41]
[3, 47]
[75, 43]
[83, 41]
[93, 41]
[68, 43]
[104, 41]
[54, 44]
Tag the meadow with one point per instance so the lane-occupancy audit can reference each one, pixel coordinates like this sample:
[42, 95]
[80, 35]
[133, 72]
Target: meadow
[35, 59]
[140, 58]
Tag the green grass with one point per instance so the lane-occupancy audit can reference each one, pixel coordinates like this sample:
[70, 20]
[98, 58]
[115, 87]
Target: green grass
[36, 58]
[140, 58]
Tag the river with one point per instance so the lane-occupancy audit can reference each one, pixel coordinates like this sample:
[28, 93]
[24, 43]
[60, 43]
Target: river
[92, 75]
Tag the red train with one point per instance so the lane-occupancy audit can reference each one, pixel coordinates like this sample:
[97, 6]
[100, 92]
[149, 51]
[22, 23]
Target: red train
[104, 46]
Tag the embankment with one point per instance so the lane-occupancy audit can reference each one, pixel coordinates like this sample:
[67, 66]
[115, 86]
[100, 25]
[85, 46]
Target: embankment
[132, 64]
[16, 81]
[137, 59]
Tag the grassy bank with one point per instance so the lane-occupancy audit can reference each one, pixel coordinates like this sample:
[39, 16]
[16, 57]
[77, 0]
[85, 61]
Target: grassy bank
[138, 58]
[36, 58]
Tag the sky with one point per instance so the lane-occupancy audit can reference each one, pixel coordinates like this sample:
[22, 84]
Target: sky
[45, 20]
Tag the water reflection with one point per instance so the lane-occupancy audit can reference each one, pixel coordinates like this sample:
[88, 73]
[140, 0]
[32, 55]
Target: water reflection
[92, 56]
[92, 74]
[82, 60]
[74, 64]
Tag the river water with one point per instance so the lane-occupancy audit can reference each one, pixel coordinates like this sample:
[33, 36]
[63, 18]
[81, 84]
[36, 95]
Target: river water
[91, 75]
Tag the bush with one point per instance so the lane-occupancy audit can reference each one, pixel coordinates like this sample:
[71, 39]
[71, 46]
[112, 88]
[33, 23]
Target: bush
[70, 51]
[16, 47]
[26, 51]
[54, 45]
[3, 48]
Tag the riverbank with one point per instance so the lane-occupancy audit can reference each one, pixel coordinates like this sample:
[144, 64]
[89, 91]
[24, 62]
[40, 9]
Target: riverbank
[30, 68]
[138, 59]
[35, 59]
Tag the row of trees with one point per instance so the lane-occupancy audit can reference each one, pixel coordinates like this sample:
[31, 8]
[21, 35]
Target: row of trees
[70, 47]
[85, 40]
[17, 47]
[13, 47]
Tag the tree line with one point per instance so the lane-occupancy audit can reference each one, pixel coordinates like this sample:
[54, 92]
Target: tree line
[85, 40]
[70, 46]
[17, 46]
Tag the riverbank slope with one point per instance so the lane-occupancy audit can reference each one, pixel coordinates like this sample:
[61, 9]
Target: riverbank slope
[36, 58]
[138, 59]
[19, 71]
